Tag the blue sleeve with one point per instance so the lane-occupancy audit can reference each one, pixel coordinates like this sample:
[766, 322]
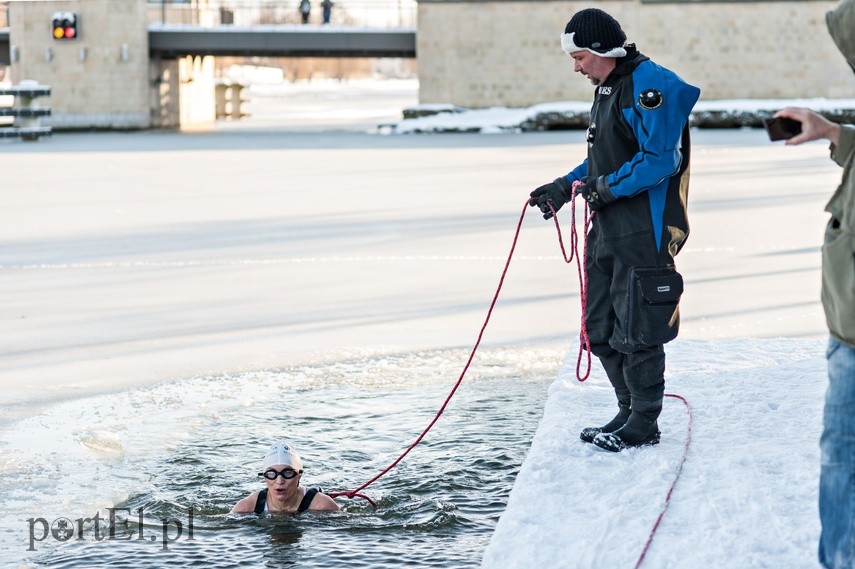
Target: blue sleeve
[578, 172]
[657, 127]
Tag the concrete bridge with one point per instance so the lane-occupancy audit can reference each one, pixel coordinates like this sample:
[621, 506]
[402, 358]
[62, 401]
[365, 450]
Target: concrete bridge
[285, 41]
[139, 64]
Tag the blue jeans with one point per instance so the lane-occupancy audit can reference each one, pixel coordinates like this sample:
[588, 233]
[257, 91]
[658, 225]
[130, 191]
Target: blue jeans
[837, 474]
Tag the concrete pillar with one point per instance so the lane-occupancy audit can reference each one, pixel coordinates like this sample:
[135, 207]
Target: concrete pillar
[197, 108]
[236, 98]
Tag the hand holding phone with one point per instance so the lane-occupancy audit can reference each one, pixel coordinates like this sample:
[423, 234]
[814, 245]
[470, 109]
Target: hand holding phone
[780, 128]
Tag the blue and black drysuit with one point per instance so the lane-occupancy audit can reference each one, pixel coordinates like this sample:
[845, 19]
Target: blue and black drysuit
[638, 150]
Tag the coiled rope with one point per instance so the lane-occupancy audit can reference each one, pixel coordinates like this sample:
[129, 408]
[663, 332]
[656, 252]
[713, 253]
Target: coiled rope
[581, 267]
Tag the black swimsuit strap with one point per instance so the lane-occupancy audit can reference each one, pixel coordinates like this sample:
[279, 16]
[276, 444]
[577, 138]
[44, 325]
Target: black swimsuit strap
[261, 501]
[307, 499]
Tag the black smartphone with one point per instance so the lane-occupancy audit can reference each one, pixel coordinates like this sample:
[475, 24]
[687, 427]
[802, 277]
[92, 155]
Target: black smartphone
[781, 128]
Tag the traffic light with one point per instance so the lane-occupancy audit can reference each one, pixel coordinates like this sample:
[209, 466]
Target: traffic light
[64, 26]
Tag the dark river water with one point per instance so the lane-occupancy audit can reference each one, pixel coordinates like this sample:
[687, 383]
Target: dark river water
[182, 453]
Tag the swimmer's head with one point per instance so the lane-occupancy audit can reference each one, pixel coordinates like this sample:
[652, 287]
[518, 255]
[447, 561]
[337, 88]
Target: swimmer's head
[282, 452]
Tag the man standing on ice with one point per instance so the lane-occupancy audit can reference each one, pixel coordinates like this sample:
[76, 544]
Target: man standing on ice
[635, 178]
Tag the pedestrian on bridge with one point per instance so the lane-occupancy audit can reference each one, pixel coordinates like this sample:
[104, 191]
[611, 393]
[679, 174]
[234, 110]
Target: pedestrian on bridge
[327, 5]
[305, 9]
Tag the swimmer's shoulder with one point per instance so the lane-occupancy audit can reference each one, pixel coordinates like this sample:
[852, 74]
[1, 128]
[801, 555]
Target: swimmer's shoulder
[247, 504]
[323, 503]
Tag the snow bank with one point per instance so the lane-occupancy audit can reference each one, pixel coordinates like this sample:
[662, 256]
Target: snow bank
[747, 496]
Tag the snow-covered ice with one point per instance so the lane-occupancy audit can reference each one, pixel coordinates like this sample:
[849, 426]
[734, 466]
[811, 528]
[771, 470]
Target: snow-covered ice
[746, 496]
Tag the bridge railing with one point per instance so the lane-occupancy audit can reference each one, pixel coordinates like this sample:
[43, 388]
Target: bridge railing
[381, 14]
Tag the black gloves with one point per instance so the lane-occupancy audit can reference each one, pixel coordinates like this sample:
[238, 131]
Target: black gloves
[596, 195]
[556, 193]
[594, 190]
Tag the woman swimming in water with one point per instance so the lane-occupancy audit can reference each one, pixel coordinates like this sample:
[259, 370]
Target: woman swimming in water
[282, 469]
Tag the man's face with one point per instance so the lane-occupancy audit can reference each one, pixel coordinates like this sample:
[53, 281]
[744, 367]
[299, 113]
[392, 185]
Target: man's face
[592, 66]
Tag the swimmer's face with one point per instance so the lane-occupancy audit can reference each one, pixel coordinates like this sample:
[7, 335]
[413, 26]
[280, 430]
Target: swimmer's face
[281, 486]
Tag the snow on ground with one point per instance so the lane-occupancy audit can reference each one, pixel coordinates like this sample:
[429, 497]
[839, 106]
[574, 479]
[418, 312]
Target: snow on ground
[503, 119]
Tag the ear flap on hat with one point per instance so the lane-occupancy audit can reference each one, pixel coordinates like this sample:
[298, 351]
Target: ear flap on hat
[568, 44]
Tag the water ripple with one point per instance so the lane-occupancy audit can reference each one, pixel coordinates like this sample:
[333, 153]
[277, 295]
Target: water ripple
[193, 449]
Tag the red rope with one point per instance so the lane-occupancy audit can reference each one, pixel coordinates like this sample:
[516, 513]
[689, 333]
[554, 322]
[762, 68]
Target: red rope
[584, 344]
[673, 483]
[582, 269]
[352, 493]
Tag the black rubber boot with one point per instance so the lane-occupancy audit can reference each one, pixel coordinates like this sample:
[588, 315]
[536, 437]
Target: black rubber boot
[641, 429]
[645, 372]
[588, 433]
[613, 362]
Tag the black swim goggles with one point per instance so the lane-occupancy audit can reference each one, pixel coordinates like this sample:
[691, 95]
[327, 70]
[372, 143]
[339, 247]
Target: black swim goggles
[286, 473]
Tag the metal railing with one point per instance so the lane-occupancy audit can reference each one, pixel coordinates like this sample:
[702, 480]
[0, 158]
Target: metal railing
[353, 13]
[373, 14]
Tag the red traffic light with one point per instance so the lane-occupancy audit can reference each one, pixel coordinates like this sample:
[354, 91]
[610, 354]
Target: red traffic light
[64, 25]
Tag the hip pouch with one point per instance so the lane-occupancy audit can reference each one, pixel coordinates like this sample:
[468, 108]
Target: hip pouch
[653, 314]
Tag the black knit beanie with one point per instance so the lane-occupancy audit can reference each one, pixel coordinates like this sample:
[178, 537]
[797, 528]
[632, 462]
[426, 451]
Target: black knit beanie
[593, 30]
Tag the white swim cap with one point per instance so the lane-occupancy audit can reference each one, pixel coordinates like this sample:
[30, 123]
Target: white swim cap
[282, 452]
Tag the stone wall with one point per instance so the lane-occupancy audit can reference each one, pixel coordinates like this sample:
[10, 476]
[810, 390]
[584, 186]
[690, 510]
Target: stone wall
[100, 79]
[479, 54]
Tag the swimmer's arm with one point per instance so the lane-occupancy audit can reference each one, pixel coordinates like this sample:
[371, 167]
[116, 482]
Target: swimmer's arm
[247, 504]
[323, 503]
